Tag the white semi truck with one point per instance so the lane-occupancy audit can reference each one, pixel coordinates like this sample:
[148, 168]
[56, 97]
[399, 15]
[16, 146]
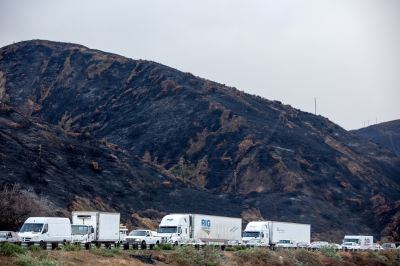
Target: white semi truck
[95, 227]
[271, 233]
[46, 230]
[200, 229]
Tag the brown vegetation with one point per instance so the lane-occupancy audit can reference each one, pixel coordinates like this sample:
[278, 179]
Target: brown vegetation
[17, 204]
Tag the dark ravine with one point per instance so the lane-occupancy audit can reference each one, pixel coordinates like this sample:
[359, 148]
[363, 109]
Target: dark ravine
[219, 150]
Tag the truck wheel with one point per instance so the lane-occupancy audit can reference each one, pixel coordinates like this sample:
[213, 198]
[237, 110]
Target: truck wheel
[157, 243]
[143, 244]
[176, 243]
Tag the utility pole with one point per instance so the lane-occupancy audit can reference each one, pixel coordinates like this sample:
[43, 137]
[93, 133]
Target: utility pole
[40, 161]
[315, 105]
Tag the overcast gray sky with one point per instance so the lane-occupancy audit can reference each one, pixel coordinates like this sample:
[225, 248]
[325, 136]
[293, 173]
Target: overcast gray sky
[343, 52]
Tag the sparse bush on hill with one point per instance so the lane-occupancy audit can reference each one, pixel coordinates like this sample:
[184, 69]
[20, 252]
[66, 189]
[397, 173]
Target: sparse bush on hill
[331, 252]
[71, 247]
[189, 256]
[307, 258]
[28, 260]
[258, 256]
[17, 205]
[164, 247]
[105, 252]
[34, 248]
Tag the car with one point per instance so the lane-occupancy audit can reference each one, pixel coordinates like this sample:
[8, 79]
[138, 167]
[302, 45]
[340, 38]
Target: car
[302, 245]
[9, 236]
[318, 244]
[142, 237]
[375, 246]
[388, 245]
[285, 244]
[350, 245]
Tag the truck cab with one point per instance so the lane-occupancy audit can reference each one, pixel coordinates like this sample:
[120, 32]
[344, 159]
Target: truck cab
[357, 242]
[175, 228]
[82, 233]
[123, 232]
[256, 234]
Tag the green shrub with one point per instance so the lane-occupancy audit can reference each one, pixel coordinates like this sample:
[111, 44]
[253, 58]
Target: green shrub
[240, 247]
[230, 249]
[261, 254]
[188, 256]
[331, 252]
[306, 258]
[35, 248]
[71, 247]
[28, 260]
[9, 249]
[164, 247]
[105, 252]
[377, 256]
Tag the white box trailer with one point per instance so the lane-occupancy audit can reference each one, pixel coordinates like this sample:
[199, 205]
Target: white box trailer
[200, 229]
[265, 233]
[93, 226]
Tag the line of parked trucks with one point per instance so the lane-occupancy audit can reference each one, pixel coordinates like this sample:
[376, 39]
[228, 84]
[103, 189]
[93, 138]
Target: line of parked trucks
[92, 227]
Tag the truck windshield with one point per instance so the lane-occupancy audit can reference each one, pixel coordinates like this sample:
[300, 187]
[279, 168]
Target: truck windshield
[29, 227]
[79, 229]
[251, 234]
[167, 229]
[137, 233]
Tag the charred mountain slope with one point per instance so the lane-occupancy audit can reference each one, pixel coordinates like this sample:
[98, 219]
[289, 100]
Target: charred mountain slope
[386, 135]
[287, 163]
[75, 171]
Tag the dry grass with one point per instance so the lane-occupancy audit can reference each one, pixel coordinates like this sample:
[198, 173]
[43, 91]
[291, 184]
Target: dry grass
[207, 256]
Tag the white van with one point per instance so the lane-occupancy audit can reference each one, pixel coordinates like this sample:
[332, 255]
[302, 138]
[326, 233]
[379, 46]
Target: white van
[46, 230]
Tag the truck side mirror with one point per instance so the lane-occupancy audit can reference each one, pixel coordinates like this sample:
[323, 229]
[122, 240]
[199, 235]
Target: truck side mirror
[45, 229]
[92, 230]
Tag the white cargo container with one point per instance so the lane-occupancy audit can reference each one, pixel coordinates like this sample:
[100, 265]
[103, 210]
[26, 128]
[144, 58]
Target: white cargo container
[46, 230]
[357, 242]
[266, 233]
[93, 226]
[200, 229]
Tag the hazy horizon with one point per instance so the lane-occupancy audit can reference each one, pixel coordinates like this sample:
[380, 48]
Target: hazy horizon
[343, 53]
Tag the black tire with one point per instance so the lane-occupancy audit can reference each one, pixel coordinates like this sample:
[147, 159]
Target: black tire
[157, 243]
[143, 244]
[176, 243]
